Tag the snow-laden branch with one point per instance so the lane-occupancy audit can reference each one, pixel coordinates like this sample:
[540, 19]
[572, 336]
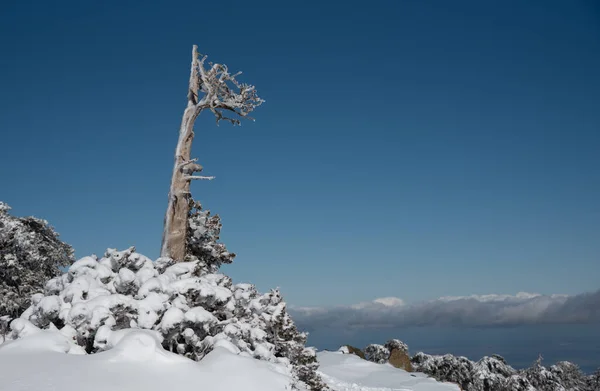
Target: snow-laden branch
[221, 91]
[185, 163]
[190, 166]
[192, 177]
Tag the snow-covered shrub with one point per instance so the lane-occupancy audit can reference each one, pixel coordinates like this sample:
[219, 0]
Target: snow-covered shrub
[202, 241]
[396, 344]
[189, 307]
[493, 373]
[377, 353]
[541, 378]
[4, 327]
[570, 376]
[593, 381]
[30, 254]
[445, 368]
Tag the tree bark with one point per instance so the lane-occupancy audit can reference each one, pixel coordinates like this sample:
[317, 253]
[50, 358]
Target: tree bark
[176, 218]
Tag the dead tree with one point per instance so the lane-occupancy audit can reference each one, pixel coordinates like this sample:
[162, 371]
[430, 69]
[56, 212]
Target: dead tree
[211, 87]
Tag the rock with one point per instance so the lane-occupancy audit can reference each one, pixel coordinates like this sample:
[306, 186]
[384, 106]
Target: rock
[400, 359]
[355, 351]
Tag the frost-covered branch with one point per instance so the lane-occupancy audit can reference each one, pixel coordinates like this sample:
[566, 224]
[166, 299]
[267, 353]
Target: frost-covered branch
[192, 177]
[185, 163]
[222, 92]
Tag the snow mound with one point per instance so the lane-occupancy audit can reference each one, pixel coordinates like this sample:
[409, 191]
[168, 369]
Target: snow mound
[136, 363]
[344, 372]
[141, 346]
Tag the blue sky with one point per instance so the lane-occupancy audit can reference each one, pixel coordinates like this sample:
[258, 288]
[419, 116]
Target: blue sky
[414, 149]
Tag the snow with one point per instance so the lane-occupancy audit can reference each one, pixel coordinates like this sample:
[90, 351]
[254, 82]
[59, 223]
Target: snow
[134, 360]
[136, 363]
[345, 372]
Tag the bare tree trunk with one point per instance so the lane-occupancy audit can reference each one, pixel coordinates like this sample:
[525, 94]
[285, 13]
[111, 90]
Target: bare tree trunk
[218, 87]
[175, 227]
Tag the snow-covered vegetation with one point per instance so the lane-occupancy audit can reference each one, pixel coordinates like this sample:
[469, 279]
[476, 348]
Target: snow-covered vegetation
[494, 374]
[189, 307]
[488, 374]
[146, 322]
[30, 254]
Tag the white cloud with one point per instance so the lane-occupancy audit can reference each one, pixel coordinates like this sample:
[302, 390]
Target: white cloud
[474, 310]
[494, 297]
[389, 301]
[382, 301]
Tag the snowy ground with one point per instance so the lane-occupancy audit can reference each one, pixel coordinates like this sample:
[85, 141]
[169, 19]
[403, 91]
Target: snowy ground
[138, 363]
[345, 372]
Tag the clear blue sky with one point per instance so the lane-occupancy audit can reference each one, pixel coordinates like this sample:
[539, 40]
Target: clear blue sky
[407, 148]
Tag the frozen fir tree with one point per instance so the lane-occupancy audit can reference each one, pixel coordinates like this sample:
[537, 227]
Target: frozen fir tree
[30, 254]
[189, 306]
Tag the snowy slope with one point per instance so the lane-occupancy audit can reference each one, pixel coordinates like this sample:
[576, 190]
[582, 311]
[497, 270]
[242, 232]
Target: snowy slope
[344, 372]
[137, 362]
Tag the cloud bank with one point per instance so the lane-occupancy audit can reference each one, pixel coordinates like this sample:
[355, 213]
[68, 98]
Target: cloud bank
[461, 311]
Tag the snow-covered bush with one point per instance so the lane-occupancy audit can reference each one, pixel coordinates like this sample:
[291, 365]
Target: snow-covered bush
[593, 381]
[187, 305]
[202, 241]
[445, 368]
[377, 353]
[541, 378]
[570, 376]
[396, 344]
[30, 254]
[494, 374]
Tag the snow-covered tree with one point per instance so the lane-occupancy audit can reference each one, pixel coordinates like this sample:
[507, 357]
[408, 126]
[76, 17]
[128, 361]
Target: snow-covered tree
[202, 241]
[445, 368]
[570, 376]
[541, 378]
[494, 374]
[30, 254]
[377, 353]
[593, 381]
[210, 88]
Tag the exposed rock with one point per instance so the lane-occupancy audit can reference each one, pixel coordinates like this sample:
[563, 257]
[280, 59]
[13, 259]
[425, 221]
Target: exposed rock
[354, 350]
[400, 359]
